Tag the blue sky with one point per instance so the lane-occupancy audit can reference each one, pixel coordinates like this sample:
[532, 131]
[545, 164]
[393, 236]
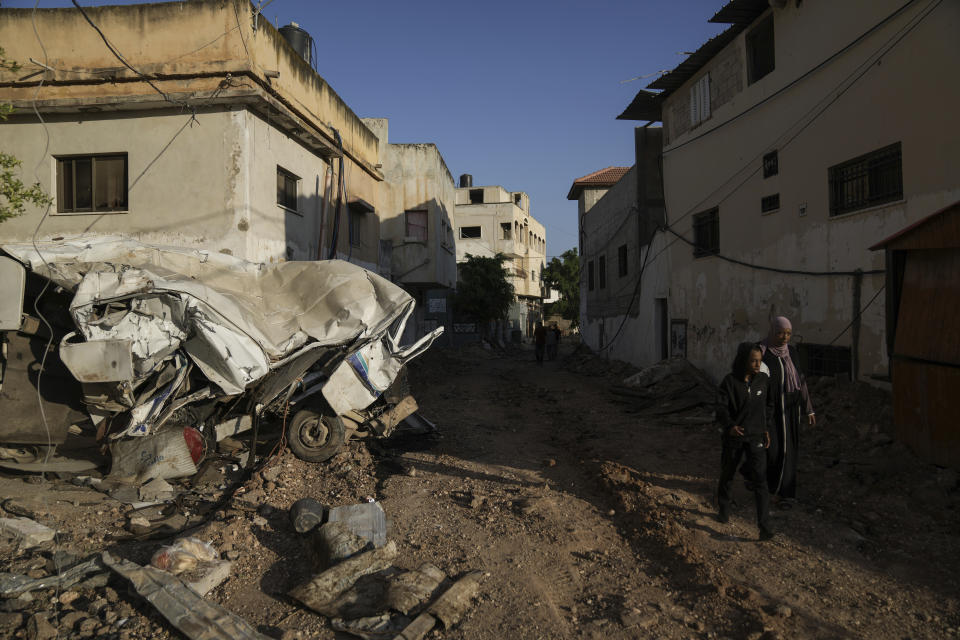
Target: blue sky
[520, 94]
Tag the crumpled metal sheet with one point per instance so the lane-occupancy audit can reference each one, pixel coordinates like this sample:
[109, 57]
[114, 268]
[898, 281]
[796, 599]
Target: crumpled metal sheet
[242, 319]
[195, 617]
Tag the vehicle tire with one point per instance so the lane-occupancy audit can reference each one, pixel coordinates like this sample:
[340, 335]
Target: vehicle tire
[314, 437]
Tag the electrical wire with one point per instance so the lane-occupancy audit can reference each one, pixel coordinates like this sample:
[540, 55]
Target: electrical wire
[120, 57]
[814, 69]
[760, 267]
[826, 102]
[859, 313]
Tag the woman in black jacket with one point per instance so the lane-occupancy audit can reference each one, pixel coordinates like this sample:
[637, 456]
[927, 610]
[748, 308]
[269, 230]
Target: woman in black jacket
[743, 412]
[792, 407]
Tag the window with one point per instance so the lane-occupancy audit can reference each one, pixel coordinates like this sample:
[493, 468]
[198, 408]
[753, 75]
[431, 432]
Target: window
[590, 275]
[771, 164]
[824, 360]
[622, 260]
[760, 51]
[92, 183]
[357, 216]
[416, 225]
[700, 101]
[770, 203]
[476, 196]
[507, 230]
[287, 184]
[602, 271]
[871, 179]
[470, 232]
[706, 233]
[516, 199]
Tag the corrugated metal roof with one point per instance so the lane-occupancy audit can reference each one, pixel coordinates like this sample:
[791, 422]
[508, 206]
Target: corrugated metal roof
[645, 106]
[740, 14]
[740, 11]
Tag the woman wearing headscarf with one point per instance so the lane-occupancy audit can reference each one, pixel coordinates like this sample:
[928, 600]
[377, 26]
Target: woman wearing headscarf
[792, 407]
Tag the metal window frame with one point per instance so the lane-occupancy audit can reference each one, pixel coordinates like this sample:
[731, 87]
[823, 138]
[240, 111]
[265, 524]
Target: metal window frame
[289, 176]
[93, 157]
[870, 170]
[706, 221]
[771, 164]
[770, 203]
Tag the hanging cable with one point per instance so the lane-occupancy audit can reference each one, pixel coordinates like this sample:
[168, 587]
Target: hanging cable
[341, 188]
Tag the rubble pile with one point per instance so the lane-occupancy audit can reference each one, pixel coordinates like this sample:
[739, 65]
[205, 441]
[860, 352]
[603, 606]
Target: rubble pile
[673, 389]
[584, 361]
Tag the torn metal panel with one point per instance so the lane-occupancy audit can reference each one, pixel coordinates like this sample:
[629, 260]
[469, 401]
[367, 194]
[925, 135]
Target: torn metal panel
[109, 360]
[12, 283]
[195, 617]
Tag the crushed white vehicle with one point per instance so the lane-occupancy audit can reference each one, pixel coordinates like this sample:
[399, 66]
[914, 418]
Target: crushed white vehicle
[167, 338]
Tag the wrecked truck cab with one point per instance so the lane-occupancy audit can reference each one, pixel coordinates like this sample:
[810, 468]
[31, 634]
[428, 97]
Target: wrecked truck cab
[167, 337]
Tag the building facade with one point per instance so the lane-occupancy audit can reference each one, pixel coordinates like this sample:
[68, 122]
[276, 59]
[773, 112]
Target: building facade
[223, 138]
[793, 141]
[489, 220]
[415, 206]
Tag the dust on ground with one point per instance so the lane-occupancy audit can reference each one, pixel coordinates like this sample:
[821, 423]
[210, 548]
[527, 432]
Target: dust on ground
[589, 510]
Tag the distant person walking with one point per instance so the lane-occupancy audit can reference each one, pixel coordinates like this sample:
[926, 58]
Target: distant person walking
[539, 341]
[552, 341]
[744, 411]
[792, 406]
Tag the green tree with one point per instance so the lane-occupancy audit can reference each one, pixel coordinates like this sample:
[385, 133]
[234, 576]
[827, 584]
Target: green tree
[483, 291]
[563, 275]
[14, 195]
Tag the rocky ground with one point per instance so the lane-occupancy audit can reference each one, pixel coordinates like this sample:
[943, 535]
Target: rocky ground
[588, 509]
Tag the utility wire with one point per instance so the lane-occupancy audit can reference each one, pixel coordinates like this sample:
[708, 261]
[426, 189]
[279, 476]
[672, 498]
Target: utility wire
[119, 57]
[760, 267]
[800, 78]
[859, 313]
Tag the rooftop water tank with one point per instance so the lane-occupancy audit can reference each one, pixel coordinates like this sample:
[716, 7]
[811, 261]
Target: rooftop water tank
[300, 40]
[466, 180]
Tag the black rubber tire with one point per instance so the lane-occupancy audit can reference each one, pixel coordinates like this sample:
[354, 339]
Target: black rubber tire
[315, 437]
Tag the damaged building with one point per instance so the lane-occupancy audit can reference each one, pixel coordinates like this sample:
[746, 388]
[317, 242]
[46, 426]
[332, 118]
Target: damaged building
[220, 227]
[793, 141]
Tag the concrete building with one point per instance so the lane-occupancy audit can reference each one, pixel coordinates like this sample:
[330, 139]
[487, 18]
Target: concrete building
[793, 141]
[211, 132]
[415, 206]
[623, 291]
[489, 220]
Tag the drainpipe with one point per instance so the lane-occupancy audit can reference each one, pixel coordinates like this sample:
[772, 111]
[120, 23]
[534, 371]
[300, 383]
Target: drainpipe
[855, 329]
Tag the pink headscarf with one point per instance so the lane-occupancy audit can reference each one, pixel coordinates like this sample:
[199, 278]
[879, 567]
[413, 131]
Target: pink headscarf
[791, 378]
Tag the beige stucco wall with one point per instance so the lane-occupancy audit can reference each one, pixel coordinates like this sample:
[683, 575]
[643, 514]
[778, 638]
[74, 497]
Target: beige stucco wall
[905, 96]
[499, 208]
[605, 323]
[197, 52]
[416, 178]
[212, 185]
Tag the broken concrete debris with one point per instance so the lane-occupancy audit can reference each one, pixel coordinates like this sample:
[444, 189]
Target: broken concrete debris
[27, 532]
[359, 589]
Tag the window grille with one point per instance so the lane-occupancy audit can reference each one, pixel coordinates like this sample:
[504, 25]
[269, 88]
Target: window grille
[866, 181]
[706, 233]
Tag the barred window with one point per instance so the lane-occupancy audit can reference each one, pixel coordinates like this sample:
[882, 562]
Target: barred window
[824, 360]
[866, 181]
[770, 203]
[706, 233]
[771, 164]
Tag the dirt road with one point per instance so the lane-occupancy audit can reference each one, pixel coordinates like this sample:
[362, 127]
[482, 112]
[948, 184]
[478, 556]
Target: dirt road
[589, 515]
